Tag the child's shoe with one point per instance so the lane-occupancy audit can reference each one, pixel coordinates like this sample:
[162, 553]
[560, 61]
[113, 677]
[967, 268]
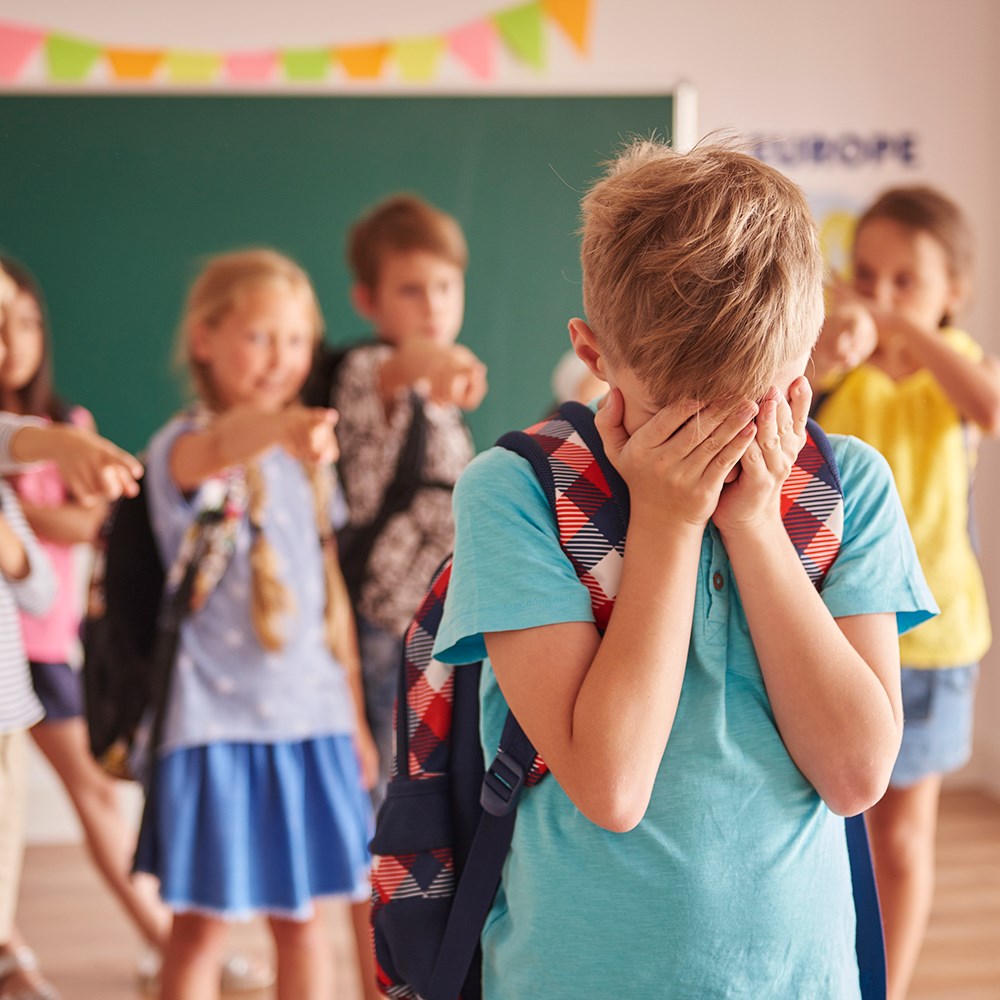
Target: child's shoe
[20, 978]
[239, 974]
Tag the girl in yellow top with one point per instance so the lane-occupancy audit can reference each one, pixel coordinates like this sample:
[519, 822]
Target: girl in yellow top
[900, 376]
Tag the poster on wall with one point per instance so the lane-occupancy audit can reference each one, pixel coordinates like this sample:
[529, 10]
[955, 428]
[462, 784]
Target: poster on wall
[842, 172]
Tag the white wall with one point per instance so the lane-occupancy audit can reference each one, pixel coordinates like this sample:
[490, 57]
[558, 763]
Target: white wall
[780, 67]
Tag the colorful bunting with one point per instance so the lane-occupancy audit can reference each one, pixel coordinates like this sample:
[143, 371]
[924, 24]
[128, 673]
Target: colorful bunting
[69, 59]
[573, 16]
[17, 46]
[472, 46]
[521, 30]
[193, 67]
[363, 62]
[417, 58]
[250, 67]
[133, 64]
[306, 65]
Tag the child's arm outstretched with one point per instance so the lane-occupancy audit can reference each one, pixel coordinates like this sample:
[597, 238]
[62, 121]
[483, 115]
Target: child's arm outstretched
[447, 374]
[243, 432]
[972, 386]
[848, 337]
[602, 716]
[71, 521]
[833, 684]
[92, 467]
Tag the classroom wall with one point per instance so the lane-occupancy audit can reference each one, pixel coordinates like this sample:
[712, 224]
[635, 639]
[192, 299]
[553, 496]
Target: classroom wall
[917, 77]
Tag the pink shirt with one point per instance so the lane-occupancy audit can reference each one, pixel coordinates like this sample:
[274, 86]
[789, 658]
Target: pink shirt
[52, 637]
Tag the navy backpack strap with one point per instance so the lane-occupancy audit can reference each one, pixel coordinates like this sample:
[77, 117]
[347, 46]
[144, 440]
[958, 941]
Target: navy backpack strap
[869, 942]
[476, 889]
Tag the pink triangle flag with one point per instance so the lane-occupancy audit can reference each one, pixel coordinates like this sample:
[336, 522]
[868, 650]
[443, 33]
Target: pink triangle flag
[475, 45]
[250, 67]
[17, 46]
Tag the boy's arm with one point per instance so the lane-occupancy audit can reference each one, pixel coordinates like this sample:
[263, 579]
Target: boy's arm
[22, 562]
[601, 711]
[242, 433]
[443, 373]
[972, 386]
[833, 684]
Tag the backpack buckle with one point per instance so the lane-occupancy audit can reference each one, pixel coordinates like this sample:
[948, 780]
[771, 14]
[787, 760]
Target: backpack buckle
[502, 784]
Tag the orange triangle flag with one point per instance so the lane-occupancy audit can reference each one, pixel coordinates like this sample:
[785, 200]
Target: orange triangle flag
[363, 62]
[131, 64]
[573, 16]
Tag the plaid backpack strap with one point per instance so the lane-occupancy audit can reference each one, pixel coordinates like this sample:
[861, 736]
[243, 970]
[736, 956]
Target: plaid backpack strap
[812, 504]
[588, 497]
[425, 697]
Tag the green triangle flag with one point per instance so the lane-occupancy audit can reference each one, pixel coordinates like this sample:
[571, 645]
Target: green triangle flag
[303, 65]
[69, 59]
[521, 30]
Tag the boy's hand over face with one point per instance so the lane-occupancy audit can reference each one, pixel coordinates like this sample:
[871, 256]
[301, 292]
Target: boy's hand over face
[308, 434]
[676, 463]
[754, 498]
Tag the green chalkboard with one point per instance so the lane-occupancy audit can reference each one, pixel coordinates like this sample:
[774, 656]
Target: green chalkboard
[113, 201]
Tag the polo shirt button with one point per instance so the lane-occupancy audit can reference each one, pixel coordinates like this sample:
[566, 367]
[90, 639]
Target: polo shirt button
[717, 580]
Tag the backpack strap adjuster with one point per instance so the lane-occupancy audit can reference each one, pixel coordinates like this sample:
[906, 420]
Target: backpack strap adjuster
[502, 784]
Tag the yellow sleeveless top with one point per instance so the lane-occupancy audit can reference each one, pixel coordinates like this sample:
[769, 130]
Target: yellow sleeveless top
[923, 438]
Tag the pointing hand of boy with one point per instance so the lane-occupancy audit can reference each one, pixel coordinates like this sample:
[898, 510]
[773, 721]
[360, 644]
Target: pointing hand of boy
[754, 499]
[447, 374]
[458, 377]
[676, 463]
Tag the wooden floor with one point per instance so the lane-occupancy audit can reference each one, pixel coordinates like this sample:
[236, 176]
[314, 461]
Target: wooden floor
[89, 950]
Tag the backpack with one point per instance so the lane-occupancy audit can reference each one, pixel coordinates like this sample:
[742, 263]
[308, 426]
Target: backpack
[444, 830]
[131, 629]
[355, 543]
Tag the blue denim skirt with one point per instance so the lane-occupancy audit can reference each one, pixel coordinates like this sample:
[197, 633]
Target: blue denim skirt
[937, 722]
[239, 829]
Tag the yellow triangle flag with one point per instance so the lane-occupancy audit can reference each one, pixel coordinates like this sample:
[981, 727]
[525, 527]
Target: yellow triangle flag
[573, 16]
[193, 67]
[363, 62]
[132, 64]
[418, 58]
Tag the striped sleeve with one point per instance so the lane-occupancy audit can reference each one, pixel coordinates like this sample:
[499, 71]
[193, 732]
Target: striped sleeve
[35, 592]
[19, 708]
[10, 424]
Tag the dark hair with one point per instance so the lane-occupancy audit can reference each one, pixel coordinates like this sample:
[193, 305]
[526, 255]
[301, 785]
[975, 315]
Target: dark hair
[925, 209]
[38, 397]
[401, 223]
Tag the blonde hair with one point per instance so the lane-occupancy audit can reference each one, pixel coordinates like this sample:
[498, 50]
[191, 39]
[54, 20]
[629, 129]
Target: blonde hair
[399, 224]
[218, 289]
[215, 292]
[701, 271]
